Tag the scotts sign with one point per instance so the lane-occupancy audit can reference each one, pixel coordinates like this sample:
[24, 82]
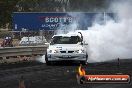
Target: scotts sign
[35, 21]
[54, 22]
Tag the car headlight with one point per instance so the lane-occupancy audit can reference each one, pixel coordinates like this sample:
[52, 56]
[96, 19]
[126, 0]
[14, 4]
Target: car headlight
[79, 51]
[53, 51]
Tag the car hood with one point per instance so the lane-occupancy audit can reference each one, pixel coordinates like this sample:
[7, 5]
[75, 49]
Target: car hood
[66, 47]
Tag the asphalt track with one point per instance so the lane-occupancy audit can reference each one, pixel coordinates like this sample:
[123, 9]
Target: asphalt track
[39, 75]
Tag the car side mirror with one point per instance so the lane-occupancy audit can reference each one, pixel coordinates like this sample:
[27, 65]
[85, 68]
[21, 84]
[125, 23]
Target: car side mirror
[85, 43]
[81, 43]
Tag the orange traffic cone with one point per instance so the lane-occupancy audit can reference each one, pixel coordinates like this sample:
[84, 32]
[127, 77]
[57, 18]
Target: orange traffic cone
[21, 83]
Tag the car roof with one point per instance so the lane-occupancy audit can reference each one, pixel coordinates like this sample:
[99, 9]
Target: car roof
[66, 35]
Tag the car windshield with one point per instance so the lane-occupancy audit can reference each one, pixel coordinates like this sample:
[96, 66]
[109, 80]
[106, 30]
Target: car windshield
[65, 40]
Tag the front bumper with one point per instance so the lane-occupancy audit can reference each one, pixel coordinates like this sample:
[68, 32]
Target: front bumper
[66, 57]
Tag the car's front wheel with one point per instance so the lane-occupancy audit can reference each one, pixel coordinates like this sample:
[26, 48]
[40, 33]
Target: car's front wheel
[46, 60]
[84, 62]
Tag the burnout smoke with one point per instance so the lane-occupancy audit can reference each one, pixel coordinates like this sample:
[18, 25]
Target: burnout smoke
[113, 39]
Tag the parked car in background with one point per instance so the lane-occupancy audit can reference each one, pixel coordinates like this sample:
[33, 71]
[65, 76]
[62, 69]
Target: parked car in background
[32, 41]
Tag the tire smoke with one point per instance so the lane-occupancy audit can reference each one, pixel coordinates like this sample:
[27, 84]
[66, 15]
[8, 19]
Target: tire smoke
[111, 40]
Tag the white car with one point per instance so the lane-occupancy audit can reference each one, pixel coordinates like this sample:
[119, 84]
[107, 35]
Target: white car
[66, 47]
[32, 41]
